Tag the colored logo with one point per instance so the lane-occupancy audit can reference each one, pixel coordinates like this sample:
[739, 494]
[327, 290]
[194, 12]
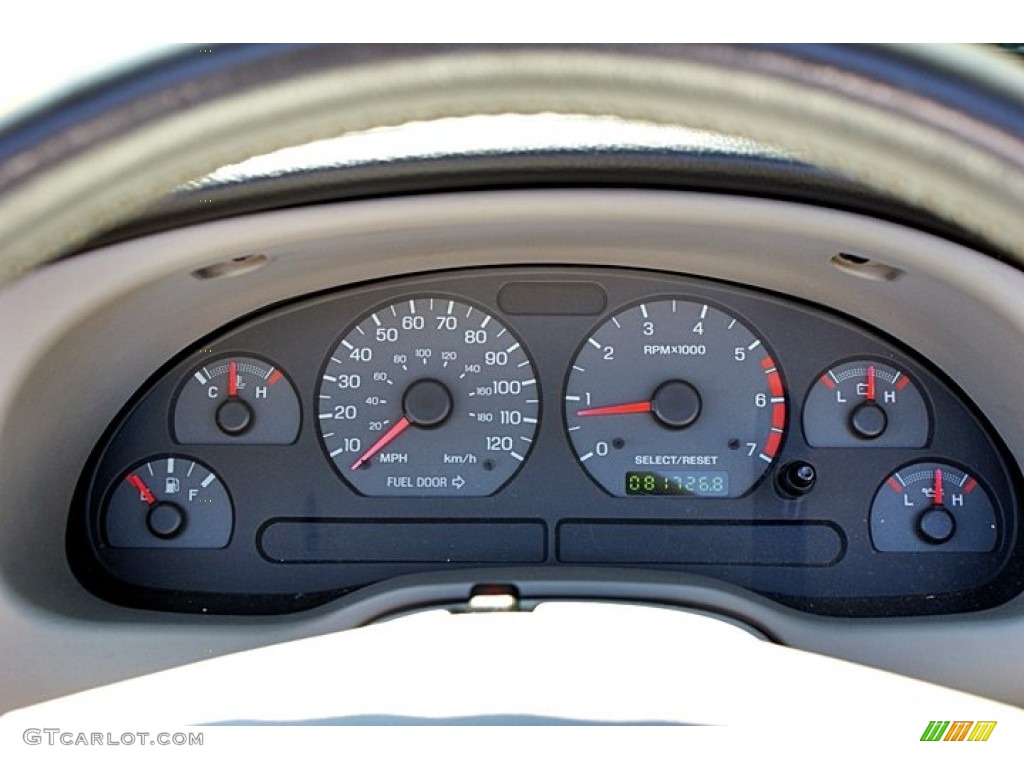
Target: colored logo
[958, 730]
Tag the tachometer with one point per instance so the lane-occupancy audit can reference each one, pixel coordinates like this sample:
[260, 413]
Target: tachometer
[428, 397]
[675, 398]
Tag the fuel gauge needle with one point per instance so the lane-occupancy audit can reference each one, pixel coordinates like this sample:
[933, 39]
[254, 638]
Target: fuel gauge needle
[147, 495]
[613, 410]
[400, 426]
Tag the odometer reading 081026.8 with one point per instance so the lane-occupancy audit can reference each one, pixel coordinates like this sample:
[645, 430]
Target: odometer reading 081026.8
[675, 398]
[428, 397]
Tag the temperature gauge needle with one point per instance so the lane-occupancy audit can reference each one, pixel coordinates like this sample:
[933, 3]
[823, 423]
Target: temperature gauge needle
[871, 383]
[232, 379]
[147, 495]
[937, 492]
[400, 426]
[613, 410]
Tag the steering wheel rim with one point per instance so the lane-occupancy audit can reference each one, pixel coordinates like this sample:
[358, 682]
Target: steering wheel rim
[941, 128]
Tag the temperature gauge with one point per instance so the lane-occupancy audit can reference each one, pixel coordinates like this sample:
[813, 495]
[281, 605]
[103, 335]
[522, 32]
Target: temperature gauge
[169, 501]
[932, 506]
[865, 404]
[237, 400]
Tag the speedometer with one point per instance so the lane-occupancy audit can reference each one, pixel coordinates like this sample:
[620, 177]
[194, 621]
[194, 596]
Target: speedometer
[675, 398]
[428, 397]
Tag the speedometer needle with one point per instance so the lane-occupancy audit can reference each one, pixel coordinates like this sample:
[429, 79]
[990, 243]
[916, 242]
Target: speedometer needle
[612, 410]
[387, 437]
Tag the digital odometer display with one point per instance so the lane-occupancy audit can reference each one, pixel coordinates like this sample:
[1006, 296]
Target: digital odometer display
[677, 483]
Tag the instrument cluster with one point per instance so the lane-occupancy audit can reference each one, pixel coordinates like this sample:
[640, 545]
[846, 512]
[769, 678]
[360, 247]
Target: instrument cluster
[543, 418]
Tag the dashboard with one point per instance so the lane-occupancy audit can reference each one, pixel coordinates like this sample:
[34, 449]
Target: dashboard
[703, 376]
[548, 417]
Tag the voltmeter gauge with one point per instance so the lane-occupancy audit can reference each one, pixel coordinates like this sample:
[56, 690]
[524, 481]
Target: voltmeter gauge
[862, 403]
[235, 400]
[933, 506]
[169, 501]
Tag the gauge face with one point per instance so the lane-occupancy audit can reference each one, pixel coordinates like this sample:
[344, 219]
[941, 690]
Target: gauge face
[169, 502]
[933, 506]
[237, 400]
[675, 398]
[862, 404]
[428, 397]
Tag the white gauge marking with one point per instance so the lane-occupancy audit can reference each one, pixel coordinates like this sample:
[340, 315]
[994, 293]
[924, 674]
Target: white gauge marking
[594, 343]
[376, 319]
[200, 378]
[643, 310]
[487, 319]
[346, 344]
[326, 415]
[330, 378]
[513, 348]
[170, 465]
[703, 310]
[755, 345]
[586, 456]
[515, 455]
[209, 479]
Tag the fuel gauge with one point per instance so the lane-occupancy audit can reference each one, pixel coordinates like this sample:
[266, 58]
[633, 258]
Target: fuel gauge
[862, 403]
[169, 501]
[237, 400]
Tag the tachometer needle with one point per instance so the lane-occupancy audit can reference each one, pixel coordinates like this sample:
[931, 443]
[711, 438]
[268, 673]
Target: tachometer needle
[391, 434]
[871, 383]
[938, 488]
[147, 495]
[613, 410]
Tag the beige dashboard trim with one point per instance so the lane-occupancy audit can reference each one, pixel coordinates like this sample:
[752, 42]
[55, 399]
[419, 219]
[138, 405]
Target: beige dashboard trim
[80, 336]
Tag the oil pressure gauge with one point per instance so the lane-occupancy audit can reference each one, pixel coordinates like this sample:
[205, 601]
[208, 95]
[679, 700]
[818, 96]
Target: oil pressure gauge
[862, 403]
[933, 506]
[237, 400]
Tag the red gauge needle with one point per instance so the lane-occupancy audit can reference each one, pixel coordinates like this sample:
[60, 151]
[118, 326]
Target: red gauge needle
[613, 410]
[938, 488]
[871, 383]
[147, 495]
[391, 434]
[232, 379]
